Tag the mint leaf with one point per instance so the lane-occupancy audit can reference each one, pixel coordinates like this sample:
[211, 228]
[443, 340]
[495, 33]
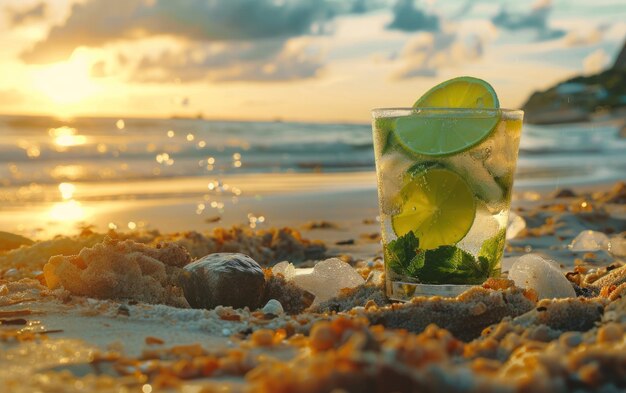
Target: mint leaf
[416, 264]
[485, 265]
[451, 265]
[445, 264]
[400, 254]
[492, 249]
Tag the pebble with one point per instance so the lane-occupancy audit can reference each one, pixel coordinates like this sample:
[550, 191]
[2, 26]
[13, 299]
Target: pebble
[274, 307]
[226, 279]
[9, 273]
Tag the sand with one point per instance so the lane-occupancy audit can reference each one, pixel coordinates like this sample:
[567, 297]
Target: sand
[52, 338]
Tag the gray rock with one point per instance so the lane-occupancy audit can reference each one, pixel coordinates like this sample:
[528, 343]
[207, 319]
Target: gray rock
[224, 279]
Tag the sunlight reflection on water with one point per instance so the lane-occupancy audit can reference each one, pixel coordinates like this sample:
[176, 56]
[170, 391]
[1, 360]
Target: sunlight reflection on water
[67, 136]
[69, 212]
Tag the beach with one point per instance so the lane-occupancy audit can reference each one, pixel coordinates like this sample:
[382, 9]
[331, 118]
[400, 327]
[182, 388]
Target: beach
[92, 341]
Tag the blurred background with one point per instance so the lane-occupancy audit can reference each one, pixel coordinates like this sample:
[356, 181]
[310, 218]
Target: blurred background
[197, 113]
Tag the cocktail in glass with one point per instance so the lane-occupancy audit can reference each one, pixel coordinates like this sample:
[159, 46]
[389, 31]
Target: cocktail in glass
[444, 185]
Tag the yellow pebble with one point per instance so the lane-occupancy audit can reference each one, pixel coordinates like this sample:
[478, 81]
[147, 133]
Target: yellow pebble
[610, 332]
[322, 336]
[263, 338]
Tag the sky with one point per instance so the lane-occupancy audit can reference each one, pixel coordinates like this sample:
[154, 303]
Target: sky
[302, 60]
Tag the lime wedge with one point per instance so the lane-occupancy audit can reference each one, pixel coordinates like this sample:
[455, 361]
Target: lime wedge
[461, 92]
[441, 132]
[438, 206]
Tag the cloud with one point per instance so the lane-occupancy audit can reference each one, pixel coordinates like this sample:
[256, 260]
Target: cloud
[406, 17]
[535, 19]
[98, 69]
[427, 53]
[96, 22]
[20, 17]
[267, 60]
[588, 36]
[595, 62]
[11, 97]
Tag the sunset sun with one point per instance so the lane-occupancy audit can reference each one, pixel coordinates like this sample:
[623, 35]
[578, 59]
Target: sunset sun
[66, 82]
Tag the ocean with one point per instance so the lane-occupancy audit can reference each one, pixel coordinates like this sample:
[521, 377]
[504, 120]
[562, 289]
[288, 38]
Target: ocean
[43, 150]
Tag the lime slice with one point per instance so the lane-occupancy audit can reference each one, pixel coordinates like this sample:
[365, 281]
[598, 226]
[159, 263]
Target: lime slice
[444, 134]
[461, 92]
[438, 206]
[441, 133]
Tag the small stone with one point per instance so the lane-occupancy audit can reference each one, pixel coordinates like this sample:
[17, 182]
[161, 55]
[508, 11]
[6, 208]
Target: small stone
[515, 225]
[611, 332]
[10, 273]
[376, 277]
[226, 279]
[590, 241]
[564, 193]
[328, 278]
[542, 275]
[274, 307]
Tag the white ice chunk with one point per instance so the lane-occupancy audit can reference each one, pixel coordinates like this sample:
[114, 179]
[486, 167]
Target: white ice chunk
[328, 278]
[515, 225]
[286, 269]
[542, 275]
[617, 246]
[590, 241]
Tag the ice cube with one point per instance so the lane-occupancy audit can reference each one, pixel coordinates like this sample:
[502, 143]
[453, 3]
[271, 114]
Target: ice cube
[391, 169]
[286, 269]
[485, 226]
[515, 225]
[542, 275]
[478, 177]
[590, 241]
[328, 278]
[617, 246]
[503, 150]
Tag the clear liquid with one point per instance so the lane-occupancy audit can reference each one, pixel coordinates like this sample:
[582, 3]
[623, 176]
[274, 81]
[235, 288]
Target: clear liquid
[488, 170]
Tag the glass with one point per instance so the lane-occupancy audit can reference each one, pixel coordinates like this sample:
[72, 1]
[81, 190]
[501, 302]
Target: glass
[443, 212]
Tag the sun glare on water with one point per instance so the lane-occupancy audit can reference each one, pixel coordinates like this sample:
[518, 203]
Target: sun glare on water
[67, 136]
[70, 210]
